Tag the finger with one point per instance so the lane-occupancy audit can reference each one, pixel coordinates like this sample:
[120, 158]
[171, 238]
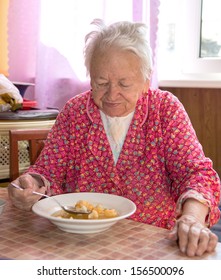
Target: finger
[193, 240]
[42, 190]
[207, 243]
[204, 237]
[28, 192]
[28, 199]
[13, 192]
[183, 230]
[26, 181]
[212, 242]
[29, 182]
[172, 235]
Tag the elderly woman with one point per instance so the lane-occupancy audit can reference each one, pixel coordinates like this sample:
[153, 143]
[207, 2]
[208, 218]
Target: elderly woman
[123, 138]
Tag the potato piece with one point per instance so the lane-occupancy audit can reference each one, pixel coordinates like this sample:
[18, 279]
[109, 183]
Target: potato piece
[93, 215]
[82, 203]
[110, 213]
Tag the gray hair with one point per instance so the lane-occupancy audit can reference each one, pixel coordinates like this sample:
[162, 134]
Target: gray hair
[125, 35]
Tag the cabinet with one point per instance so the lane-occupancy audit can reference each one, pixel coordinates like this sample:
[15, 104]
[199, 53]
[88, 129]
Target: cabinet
[203, 106]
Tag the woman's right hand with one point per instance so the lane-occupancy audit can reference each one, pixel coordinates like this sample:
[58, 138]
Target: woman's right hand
[24, 199]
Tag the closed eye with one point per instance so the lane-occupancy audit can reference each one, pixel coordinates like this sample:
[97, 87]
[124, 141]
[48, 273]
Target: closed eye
[124, 85]
[103, 84]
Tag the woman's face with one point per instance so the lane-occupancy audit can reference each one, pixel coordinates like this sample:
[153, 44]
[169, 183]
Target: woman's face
[116, 81]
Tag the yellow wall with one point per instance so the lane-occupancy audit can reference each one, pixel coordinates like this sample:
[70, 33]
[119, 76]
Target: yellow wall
[4, 4]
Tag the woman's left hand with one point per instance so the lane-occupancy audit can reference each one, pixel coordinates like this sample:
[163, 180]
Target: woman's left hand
[194, 239]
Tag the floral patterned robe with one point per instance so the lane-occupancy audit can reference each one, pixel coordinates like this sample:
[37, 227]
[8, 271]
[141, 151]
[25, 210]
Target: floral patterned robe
[160, 165]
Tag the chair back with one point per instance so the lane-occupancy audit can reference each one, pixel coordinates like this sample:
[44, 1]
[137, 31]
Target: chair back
[35, 138]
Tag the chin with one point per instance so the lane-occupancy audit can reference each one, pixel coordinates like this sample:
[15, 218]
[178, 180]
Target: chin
[113, 114]
[116, 112]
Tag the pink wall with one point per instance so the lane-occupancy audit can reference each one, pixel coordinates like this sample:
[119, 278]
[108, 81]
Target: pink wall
[23, 21]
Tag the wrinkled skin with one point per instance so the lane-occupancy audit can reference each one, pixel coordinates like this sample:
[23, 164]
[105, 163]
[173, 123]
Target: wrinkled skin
[117, 81]
[193, 238]
[24, 199]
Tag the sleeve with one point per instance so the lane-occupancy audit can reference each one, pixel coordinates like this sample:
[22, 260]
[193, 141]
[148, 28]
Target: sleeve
[53, 160]
[189, 170]
[195, 195]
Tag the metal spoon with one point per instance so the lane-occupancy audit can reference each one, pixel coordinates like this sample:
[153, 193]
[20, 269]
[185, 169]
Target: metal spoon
[68, 209]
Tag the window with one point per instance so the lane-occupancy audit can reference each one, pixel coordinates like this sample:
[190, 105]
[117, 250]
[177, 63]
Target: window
[210, 41]
[183, 39]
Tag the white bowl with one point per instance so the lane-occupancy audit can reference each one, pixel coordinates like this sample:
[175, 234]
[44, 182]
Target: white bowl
[47, 206]
[2, 205]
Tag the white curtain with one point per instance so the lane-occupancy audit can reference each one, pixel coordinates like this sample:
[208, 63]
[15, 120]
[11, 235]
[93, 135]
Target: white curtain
[51, 49]
[60, 67]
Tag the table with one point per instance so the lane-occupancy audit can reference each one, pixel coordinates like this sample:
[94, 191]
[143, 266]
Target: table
[25, 236]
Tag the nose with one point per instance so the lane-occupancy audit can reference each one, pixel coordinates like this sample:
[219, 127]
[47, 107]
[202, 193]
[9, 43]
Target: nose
[113, 92]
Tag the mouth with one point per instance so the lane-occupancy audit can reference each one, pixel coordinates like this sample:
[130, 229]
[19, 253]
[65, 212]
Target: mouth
[112, 104]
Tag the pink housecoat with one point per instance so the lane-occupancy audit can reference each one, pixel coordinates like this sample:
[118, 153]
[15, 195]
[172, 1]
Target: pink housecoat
[160, 163]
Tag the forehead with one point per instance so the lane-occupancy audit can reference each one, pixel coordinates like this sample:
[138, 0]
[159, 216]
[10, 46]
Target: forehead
[115, 62]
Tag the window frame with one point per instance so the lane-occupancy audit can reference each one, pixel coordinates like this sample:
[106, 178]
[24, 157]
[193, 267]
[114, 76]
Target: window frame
[193, 63]
[194, 70]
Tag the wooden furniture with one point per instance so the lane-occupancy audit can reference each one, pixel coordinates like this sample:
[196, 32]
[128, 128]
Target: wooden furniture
[26, 236]
[22, 119]
[203, 107]
[35, 138]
